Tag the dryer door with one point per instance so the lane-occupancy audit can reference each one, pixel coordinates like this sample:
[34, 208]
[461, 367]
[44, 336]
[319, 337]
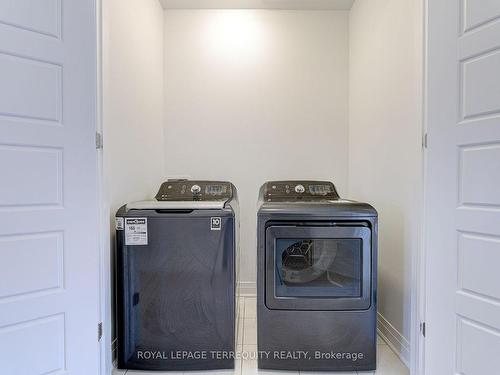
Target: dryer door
[318, 268]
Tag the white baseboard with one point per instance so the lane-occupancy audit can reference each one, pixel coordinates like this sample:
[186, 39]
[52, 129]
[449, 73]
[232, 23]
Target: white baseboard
[398, 343]
[248, 288]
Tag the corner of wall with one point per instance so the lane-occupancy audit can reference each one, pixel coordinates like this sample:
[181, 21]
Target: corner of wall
[164, 95]
[132, 104]
[398, 343]
[384, 137]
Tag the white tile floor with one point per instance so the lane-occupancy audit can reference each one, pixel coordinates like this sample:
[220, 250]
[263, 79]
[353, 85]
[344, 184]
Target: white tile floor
[388, 363]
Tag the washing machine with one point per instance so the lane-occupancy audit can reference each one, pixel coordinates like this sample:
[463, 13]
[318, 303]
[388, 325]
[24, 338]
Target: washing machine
[176, 272]
[316, 279]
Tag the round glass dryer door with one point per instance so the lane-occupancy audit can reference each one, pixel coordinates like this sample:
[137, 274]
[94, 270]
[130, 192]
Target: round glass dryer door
[318, 268]
[322, 267]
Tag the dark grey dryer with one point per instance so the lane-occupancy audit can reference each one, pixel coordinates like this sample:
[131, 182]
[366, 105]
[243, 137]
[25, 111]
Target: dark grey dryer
[176, 276]
[316, 282]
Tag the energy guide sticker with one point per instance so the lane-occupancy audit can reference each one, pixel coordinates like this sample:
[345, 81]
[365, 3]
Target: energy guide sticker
[136, 231]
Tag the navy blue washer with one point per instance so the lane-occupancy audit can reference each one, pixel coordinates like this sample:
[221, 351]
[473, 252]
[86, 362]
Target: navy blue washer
[176, 296]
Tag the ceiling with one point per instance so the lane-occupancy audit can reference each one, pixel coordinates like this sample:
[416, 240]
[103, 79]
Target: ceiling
[258, 4]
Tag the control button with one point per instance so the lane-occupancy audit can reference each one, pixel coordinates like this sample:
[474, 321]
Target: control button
[195, 189]
[300, 189]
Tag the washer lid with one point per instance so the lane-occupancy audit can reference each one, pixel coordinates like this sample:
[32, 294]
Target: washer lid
[176, 205]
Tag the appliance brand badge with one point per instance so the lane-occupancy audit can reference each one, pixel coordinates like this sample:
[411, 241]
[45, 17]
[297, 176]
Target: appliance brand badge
[136, 221]
[215, 223]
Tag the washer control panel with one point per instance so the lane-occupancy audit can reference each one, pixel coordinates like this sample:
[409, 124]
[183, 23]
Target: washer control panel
[284, 191]
[187, 190]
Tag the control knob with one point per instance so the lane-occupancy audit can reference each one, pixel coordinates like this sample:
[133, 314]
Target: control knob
[196, 189]
[300, 189]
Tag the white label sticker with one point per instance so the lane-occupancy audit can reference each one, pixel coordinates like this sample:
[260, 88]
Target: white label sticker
[136, 231]
[119, 223]
[215, 223]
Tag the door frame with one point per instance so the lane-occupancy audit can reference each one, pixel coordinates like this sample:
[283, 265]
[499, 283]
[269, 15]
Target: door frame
[418, 258]
[105, 274]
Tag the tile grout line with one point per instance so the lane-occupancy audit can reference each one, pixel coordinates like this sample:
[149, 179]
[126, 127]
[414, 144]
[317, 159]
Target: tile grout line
[242, 321]
[248, 317]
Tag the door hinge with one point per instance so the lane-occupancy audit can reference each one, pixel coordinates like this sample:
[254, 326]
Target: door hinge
[422, 328]
[98, 141]
[99, 331]
[424, 140]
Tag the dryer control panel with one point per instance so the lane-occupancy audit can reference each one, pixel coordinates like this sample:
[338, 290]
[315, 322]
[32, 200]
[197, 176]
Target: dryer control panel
[286, 191]
[187, 190]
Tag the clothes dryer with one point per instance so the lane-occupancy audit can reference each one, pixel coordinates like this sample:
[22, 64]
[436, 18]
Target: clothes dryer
[317, 279]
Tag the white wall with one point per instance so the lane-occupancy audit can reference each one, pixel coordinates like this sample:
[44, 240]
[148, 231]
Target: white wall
[133, 99]
[255, 95]
[385, 158]
[132, 104]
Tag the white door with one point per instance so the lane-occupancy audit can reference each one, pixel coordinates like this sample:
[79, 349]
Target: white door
[463, 188]
[48, 188]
